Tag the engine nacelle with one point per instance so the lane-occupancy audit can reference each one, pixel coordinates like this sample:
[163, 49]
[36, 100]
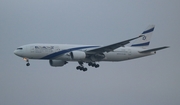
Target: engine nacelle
[78, 55]
[56, 63]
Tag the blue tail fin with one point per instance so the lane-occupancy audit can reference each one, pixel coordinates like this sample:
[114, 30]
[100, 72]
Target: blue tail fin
[145, 40]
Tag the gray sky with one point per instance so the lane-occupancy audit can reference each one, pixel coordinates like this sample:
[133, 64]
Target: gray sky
[152, 80]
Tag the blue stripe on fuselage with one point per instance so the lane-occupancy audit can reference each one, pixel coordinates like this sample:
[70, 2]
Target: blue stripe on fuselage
[141, 44]
[50, 56]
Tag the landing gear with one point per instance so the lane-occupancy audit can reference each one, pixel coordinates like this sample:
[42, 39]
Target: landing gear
[81, 67]
[93, 64]
[27, 64]
[27, 60]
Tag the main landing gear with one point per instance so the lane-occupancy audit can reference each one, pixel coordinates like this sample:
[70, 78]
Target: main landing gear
[81, 67]
[27, 60]
[93, 64]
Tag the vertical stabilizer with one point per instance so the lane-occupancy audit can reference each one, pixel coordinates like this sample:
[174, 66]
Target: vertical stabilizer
[144, 41]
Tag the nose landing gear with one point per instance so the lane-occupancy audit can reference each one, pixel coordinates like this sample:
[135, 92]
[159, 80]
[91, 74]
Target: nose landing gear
[27, 60]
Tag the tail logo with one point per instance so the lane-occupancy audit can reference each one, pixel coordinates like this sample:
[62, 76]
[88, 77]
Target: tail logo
[143, 37]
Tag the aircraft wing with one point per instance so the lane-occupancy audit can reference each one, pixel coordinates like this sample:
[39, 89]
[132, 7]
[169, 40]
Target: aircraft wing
[154, 49]
[111, 47]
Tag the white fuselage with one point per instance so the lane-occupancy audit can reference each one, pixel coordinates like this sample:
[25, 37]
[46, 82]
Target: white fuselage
[62, 52]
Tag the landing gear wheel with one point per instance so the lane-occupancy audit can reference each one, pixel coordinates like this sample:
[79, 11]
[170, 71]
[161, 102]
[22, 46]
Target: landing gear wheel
[27, 64]
[93, 64]
[78, 67]
[84, 69]
[97, 65]
[90, 64]
[81, 68]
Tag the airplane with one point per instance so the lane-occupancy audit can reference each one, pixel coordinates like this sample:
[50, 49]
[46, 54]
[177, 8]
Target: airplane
[60, 54]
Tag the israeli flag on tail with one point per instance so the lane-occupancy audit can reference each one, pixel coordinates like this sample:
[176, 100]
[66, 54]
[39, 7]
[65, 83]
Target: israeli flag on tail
[144, 41]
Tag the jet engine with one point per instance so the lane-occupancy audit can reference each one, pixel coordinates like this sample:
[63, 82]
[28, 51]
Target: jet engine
[56, 63]
[78, 55]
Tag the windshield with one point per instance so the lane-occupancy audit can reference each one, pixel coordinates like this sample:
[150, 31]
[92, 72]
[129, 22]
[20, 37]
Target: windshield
[19, 48]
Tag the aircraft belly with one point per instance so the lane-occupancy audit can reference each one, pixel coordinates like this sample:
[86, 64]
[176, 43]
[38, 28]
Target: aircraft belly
[120, 56]
[115, 56]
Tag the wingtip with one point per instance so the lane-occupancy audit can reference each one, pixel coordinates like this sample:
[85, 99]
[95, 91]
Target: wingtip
[166, 46]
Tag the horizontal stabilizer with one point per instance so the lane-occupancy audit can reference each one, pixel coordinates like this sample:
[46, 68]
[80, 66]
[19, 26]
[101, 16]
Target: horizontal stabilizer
[154, 49]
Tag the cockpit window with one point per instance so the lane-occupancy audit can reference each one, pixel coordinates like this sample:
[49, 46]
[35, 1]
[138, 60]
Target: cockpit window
[19, 48]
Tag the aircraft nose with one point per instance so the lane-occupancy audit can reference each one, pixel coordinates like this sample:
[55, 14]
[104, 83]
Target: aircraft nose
[15, 52]
[18, 53]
